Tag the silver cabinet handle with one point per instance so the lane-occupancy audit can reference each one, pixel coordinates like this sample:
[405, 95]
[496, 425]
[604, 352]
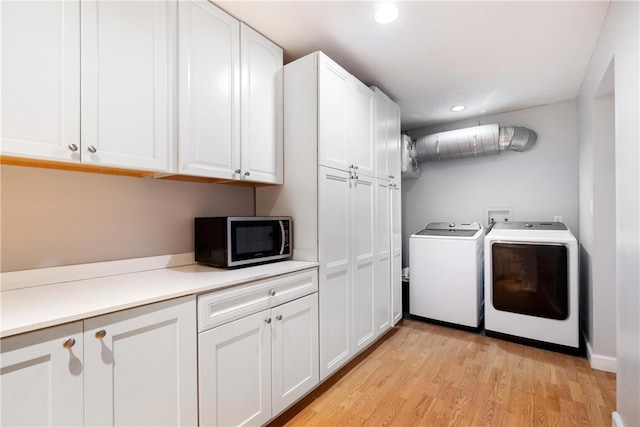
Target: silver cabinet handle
[238, 171]
[101, 334]
[279, 317]
[92, 149]
[267, 320]
[73, 147]
[247, 173]
[272, 293]
[68, 343]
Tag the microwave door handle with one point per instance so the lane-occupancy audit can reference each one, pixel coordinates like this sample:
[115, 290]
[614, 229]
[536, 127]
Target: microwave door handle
[281, 237]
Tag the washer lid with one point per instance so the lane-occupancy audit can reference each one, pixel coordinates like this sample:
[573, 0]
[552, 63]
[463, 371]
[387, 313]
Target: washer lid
[530, 225]
[451, 229]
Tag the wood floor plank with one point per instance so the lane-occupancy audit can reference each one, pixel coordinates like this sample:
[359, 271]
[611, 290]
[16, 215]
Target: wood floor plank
[422, 374]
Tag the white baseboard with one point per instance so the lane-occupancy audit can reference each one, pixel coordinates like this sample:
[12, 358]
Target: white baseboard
[615, 420]
[600, 362]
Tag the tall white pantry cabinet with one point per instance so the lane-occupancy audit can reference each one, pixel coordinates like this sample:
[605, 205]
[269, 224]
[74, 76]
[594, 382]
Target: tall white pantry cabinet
[341, 140]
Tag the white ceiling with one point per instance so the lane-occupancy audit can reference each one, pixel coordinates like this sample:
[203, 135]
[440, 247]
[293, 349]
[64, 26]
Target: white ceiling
[493, 56]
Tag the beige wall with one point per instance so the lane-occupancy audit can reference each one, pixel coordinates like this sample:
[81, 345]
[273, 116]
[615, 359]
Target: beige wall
[52, 218]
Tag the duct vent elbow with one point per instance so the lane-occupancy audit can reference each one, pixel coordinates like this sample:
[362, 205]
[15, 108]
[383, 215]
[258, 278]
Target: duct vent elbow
[473, 142]
[516, 138]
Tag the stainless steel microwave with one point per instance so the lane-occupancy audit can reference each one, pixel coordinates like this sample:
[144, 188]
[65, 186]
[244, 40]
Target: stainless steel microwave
[233, 241]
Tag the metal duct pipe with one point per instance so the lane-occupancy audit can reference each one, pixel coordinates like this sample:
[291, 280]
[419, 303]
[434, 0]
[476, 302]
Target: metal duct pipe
[473, 142]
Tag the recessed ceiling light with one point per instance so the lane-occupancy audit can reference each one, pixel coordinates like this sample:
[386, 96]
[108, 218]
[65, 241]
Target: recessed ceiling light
[457, 108]
[386, 13]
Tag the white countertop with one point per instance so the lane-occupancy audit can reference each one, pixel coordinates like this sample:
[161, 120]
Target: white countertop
[28, 309]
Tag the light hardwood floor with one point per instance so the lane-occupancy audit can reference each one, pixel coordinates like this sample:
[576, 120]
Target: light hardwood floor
[427, 375]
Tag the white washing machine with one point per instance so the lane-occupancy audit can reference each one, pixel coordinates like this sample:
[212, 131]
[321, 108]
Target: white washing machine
[531, 282]
[445, 269]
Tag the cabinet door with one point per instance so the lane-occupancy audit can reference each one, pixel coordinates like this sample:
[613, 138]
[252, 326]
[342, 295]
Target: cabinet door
[40, 94]
[394, 142]
[235, 372]
[295, 366]
[208, 91]
[333, 112]
[361, 140]
[363, 236]
[382, 274]
[396, 253]
[127, 83]
[335, 257]
[141, 366]
[41, 378]
[380, 133]
[261, 148]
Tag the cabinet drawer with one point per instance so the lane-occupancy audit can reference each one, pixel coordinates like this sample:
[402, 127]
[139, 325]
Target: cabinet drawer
[220, 307]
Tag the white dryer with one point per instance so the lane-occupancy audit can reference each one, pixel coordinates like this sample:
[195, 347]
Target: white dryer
[445, 269]
[531, 282]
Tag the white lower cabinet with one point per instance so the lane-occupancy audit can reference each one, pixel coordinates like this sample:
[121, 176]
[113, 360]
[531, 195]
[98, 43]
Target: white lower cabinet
[294, 351]
[140, 366]
[396, 253]
[235, 377]
[382, 291]
[261, 353]
[41, 378]
[346, 216]
[132, 367]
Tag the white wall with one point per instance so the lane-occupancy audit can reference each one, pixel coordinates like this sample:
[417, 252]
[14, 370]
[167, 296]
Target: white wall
[53, 217]
[618, 44]
[538, 184]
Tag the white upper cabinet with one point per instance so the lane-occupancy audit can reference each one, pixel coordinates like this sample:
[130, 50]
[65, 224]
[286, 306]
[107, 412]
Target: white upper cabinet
[361, 141]
[127, 83]
[121, 75]
[394, 142]
[262, 115]
[380, 134]
[230, 98]
[208, 91]
[96, 84]
[333, 99]
[345, 135]
[41, 79]
[387, 137]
